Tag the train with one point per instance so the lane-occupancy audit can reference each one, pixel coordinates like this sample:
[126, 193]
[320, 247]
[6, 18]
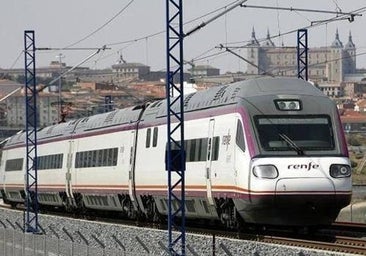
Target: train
[262, 151]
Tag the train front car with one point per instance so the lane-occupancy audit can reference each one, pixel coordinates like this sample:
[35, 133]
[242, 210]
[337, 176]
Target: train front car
[300, 173]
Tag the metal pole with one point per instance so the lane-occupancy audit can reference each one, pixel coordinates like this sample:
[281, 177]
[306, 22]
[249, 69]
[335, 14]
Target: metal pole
[60, 56]
[302, 54]
[31, 201]
[175, 154]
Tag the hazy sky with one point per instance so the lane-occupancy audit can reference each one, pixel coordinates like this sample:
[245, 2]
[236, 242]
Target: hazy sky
[135, 29]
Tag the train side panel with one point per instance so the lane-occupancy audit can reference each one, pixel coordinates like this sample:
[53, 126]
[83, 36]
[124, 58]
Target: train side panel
[101, 180]
[52, 166]
[210, 174]
[13, 166]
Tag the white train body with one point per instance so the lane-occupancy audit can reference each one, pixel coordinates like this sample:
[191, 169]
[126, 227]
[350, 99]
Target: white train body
[246, 153]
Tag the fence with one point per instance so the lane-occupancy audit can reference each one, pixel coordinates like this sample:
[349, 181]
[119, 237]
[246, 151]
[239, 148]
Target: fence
[17, 243]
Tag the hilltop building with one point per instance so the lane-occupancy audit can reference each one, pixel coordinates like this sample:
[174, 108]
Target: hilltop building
[329, 64]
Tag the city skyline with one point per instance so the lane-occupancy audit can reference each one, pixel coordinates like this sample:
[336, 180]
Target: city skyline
[135, 30]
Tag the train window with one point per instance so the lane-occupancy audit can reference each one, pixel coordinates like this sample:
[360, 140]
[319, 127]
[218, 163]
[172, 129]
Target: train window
[53, 161]
[155, 137]
[240, 136]
[14, 164]
[192, 151]
[291, 133]
[115, 156]
[203, 149]
[50, 162]
[196, 149]
[96, 158]
[215, 148]
[87, 158]
[105, 159]
[148, 137]
[100, 158]
[46, 162]
[56, 161]
[108, 159]
[84, 159]
[60, 161]
[77, 160]
[209, 149]
[39, 163]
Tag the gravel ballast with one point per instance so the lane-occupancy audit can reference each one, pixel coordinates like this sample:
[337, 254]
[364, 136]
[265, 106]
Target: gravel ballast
[126, 240]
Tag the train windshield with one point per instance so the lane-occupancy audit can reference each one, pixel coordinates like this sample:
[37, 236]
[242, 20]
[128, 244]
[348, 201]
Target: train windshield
[295, 133]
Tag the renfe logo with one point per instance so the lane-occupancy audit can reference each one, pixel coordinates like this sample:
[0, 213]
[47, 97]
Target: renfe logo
[308, 166]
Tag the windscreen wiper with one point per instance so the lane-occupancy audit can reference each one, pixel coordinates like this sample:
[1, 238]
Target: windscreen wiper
[292, 144]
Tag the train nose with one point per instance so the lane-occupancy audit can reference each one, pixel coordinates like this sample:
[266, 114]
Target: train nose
[306, 186]
[310, 199]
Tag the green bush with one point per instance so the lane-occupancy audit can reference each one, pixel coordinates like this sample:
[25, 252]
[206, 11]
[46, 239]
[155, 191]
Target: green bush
[354, 140]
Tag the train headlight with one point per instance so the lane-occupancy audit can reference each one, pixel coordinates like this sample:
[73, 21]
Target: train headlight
[340, 171]
[265, 171]
[288, 105]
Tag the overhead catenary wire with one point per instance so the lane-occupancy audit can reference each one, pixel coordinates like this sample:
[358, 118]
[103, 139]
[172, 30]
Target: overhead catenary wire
[74, 67]
[131, 41]
[163, 31]
[263, 72]
[14, 63]
[102, 26]
[312, 24]
[300, 9]
[227, 44]
[340, 17]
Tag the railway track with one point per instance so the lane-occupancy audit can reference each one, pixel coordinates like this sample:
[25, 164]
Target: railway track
[339, 237]
[340, 244]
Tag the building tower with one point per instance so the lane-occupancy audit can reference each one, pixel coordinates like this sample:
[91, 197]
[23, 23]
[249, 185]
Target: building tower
[334, 65]
[268, 42]
[267, 49]
[253, 54]
[349, 61]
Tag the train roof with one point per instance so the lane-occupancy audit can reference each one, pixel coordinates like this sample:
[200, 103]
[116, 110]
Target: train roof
[213, 97]
[233, 93]
[126, 116]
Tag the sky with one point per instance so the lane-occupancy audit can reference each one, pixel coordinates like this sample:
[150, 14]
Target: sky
[135, 29]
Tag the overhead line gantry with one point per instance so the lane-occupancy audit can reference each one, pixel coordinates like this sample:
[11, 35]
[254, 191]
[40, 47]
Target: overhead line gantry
[175, 158]
[302, 54]
[31, 202]
[175, 154]
[31, 217]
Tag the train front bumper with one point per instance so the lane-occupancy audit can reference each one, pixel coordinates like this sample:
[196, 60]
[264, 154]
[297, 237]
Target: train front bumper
[295, 202]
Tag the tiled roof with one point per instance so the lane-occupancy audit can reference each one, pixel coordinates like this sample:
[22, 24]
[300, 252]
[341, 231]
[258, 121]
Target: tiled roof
[7, 86]
[361, 103]
[350, 116]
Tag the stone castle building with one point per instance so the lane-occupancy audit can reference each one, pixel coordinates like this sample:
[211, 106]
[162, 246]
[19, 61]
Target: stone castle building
[325, 64]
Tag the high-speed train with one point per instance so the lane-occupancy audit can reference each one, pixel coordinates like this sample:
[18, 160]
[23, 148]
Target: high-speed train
[263, 151]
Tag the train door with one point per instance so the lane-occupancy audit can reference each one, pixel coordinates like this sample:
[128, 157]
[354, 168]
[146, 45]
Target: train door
[209, 161]
[241, 158]
[68, 175]
[4, 155]
[131, 171]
